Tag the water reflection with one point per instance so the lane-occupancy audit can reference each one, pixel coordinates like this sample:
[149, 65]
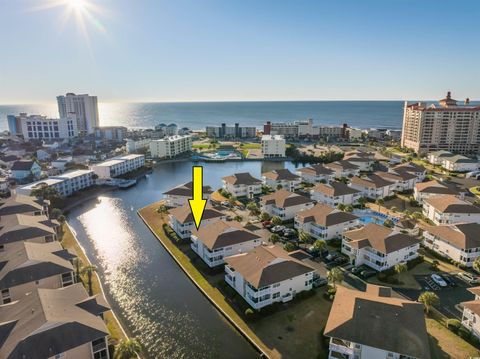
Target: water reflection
[144, 285]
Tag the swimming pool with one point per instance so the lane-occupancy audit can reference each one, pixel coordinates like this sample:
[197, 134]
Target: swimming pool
[369, 216]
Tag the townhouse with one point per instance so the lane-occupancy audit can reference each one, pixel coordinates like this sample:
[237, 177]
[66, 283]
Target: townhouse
[325, 222]
[379, 247]
[459, 163]
[436, 157]
[118, 166]
[343, 169]
[283, 178]
[284, 204]
[266, 275]
[27, 205]
[179, 195]
[316, 173]
[29, 266]
[182, 222]
[448, 209]
[374, 324]
[55, 323]
[373, 186]
[66, 184]
[242, 185]
[419, 171]
[431, 188]
[221, 239]
[471, 312]
[335, 193]
[21, 227]
[459, 242]
[26, 170]
[404, 181]
[363, 160]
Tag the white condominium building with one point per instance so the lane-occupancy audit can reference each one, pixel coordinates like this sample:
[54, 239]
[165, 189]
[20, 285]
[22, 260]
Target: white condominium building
[83, 108]
[273, 146]
[242, 185]
[118, 166]
[37, 127]
[443, 126]
[471, 312]
[134, 145]
[172, 146]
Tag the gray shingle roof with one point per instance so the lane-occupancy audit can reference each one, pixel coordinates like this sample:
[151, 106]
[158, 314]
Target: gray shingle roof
[20, 227]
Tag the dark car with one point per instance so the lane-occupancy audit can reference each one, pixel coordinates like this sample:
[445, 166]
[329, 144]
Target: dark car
[356, 270]
[320, 282]
[367, 273]
[449, 280]
[288, 232]
[340, 260]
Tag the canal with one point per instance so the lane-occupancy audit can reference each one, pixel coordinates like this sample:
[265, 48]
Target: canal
[147, 290]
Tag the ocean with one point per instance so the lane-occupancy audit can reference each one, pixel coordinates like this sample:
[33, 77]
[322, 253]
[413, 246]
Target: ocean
[197, 115]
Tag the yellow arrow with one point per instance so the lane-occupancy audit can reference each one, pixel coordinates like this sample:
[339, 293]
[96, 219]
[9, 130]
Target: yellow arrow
[197, 203]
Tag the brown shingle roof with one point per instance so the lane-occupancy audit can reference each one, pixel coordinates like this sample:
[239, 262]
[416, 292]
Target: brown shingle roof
[434, 187]
[372, 181]
[316, 170]
[186, 190]
[283, 198]
[183, 214]
[463, 236]
[20, 204]
[341, 165]
[377, 320]
[325, 215]
[222, 234]
[267, 265]
[473, 305]
[451, 204]
[380, 238]
[334, 189]
[20, 227]
[279, 175]
[474, 290]
[244, 178]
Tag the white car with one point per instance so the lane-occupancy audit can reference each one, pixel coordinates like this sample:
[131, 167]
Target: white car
[439, 280]
[469, 278]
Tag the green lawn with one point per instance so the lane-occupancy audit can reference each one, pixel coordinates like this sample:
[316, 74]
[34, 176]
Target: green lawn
[251, 146]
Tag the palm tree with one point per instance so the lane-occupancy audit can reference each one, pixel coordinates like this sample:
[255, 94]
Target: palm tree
[77, 262]
[380, 202]
[400, 268]
[264, 216]
[129, 348]
[362, 201]
[89, 270]
[232, 200]
[276, 220]
[305, 237]
[162, 210]
[476, 265]
[335, 275]
[348, 208]
[341, 206]
[319, 244]
[253, 208]
[428, 299]
[274, 238]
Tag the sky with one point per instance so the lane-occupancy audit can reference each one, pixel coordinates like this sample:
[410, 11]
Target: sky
[218, 50]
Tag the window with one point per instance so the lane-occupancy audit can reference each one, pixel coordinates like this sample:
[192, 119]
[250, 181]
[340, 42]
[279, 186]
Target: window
[6, 296]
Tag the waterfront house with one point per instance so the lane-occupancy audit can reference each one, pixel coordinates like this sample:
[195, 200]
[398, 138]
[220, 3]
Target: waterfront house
[221, 239]
[273, 146]
[266, 275]
[419, 171]
[55, 323]
[26, 266]
[373, 186]
[343, 169]
[316, 173]
[284, 204]
[170, 147]
[431, 188]
[182, 222]
[374, 324]
[459, 242]
[459, 163]
[448, 209]
[363, 160]
[379, 247]
[27, 205]
[118, 166]
[21, 227]
[335, 193]
[242, 185]
[178, 196]
[325, 222]
[284, 178]
[404, 181]
[471, 312]
[23, 171]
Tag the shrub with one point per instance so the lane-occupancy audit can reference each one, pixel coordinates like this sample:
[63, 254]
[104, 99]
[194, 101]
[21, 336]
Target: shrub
[454, 325]
[249, 312]
[464, 333]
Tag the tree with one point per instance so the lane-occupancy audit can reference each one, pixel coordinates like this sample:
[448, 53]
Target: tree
[265, 216]
[341, 206]
[288, 247]
[279, 187]
[162, 210]
[89, 270]
[232, 200]
[319, 244]
[476, 265]
[380, 202]
[55, 213]
[77, 262]
[45, 192]
[334, 276]
[276, 220]
[428, 299]
[253, 208]
[305, 237]
[348, 208]
[400, 268]
[274, 238]
[128, 349]
[238, 218]
[362, 201]
[388, 223]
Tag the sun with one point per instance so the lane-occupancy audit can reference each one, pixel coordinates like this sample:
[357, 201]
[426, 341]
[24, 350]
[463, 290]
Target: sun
[78, 5]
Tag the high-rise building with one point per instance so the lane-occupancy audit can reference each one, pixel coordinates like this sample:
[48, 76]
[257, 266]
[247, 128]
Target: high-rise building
[236, 131]
[445, 125]
[83, 107]
[172, 146]
[37, 127]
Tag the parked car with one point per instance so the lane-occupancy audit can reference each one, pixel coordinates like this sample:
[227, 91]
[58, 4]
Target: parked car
[331, 256]
[278, 229]
[438, 280]
[469, 278]
[229, 218]
[267, 224]
[449, 280]
[320, 282]
[340, 260]
[226, 204]
[254, 221]
[356, 270]
[289, 232]
[367, 273]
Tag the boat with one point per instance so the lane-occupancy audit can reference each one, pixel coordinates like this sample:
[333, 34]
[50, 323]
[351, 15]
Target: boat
[127, 183]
